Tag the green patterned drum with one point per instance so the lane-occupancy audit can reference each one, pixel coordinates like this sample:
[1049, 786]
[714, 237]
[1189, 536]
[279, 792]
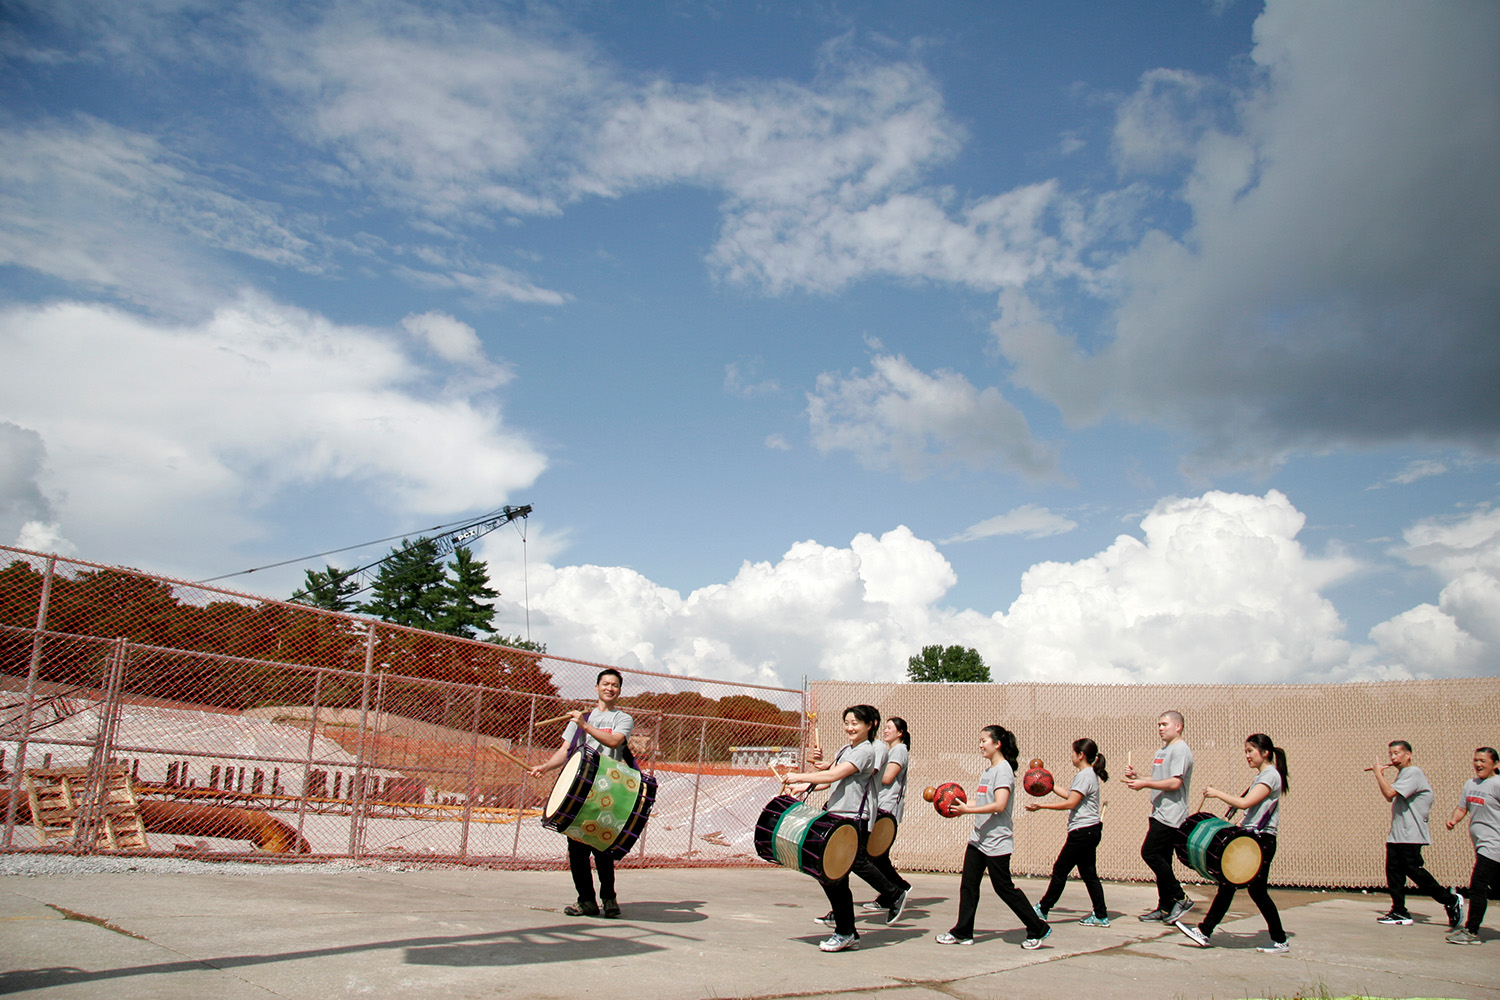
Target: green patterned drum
[599, 801]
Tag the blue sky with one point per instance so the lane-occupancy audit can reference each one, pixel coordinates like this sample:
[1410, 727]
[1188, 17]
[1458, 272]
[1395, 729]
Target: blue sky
[1122, 342]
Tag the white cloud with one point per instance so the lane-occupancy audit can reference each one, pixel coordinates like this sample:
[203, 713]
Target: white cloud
[1028, 519]
[1336, 285]
[171, 436]
[22, 458]
[1422, 468]
[902, 418]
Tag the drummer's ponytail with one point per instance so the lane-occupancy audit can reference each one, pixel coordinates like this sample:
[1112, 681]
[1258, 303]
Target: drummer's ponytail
[1264, 744]
[1091, 754]
[900, 725]
[1007, 741]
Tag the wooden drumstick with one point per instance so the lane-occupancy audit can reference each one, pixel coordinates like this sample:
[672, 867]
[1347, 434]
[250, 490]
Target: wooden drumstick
[512, 758]
[813, 720]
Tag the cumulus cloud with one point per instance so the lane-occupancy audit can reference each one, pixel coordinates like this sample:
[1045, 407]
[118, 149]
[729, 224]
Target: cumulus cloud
[1336, 284]
[22, 501]
[898, 417]
[1214, 588]
[1028, 520]
[167, 430]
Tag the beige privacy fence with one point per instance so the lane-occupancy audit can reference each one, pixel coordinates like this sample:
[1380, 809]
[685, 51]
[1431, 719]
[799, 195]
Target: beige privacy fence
[1333, 821]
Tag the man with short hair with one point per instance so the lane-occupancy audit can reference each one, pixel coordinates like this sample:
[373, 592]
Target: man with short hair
[1171, 776]
[1410, 796]
[606, 729]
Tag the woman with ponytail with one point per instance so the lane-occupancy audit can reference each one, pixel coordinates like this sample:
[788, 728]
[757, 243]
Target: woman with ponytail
[991, 843]
[1261, 802]
[1085, 827]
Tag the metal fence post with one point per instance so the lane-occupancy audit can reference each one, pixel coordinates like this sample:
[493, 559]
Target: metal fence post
[312, 734]
[23, 736]
[471, 786]
[521, 786]
[356, 804]
[697, 785]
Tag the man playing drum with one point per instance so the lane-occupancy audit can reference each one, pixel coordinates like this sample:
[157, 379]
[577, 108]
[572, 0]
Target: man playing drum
[1171, 774]
[1410, 796]
[606, 729]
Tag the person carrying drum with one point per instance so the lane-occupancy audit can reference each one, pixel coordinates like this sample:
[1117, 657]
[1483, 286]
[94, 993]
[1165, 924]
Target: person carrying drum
[1410, 796]
[992, 842]
[1481, 803]
[1261, 802]
[606, 729]
[892, 799]
[1084, 830]
[854, 775]
[1171, 774]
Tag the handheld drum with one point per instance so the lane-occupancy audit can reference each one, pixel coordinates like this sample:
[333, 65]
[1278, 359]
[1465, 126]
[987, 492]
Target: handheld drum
[600, 801]
[945, 796]
[1038, 780]
[801, 837]
[882, 835]
[1218, 850]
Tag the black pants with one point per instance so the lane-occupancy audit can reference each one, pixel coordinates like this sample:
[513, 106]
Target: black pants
[841, 897]
[1078, 851]
[976, 863]
[1402, 862]
[1156, 851]
[1256, 887]
[583, 881]
[884, 866]
[1484, 881]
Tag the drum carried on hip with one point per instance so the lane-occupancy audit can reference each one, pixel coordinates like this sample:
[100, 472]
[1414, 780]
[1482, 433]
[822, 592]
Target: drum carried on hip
[882, 835]
[1218, 850]
[600, 801]
[795, 835]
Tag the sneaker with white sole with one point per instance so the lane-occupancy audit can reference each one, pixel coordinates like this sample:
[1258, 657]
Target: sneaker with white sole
[948, 938]
[1194, 934]
[1395, 918]
[1179, 910]
[898, 907]
[1455, 911]
[1033, 943]
[1094, 920]
[1275, 948]
[1154, 917]
[840, 942]
[1462, 935]
[826, 919]
[873, 906]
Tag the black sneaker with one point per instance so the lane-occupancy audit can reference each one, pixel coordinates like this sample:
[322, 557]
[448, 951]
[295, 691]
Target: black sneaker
[1394, 918]
[898, 907]
[1455, 911]
[826, 919]
[582, 909]
[1179, 910]
[611, 908]
[1154, 917]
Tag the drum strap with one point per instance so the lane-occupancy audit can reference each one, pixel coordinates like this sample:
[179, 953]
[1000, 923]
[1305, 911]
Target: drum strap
[579, 736]
[1261, 825]
[864, 798]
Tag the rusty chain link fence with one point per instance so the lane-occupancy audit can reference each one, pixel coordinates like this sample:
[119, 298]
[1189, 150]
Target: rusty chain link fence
[221, 724]
[1333, 819]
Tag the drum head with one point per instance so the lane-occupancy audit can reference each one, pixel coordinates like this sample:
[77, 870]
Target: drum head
[882, 836]
[1241, 860]
[562, 785]
[839, 852]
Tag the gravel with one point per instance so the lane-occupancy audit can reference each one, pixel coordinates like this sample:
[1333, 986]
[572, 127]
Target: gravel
[69, 865]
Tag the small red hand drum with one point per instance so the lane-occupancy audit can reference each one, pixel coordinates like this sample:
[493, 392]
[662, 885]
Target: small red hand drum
[945, 796]
[1038, 780]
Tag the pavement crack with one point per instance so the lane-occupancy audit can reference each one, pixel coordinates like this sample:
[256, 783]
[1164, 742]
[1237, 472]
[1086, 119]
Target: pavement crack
[96, 921]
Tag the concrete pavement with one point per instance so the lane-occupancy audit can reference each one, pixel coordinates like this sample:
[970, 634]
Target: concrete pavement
[685, 934]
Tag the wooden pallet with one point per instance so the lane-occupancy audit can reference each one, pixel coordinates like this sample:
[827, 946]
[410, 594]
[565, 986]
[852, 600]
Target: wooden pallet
[60, 796]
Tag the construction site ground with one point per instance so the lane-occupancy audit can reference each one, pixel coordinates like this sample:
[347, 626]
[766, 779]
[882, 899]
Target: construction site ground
[434, 932]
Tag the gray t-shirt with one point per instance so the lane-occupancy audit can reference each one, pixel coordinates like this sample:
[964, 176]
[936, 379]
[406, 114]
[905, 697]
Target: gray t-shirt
[849, 796]
[1266, 809]
[1482, 800]
[893, 796]
[613, 721]
[1174, 760]
[1410, 807]
[992, 831]
[1085, 813]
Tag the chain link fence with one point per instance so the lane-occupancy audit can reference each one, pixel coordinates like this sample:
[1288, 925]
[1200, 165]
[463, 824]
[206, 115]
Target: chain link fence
[245, 727]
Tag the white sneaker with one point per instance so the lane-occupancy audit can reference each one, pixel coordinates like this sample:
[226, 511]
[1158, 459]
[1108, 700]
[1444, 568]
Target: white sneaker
[947, 938]
[1275, 948]
[1194, 934]
[840, 942]
[872, 906]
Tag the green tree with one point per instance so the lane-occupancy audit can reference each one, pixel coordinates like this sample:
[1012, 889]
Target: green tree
[410, 588]
[516, 642]
[953, 663]
[330, 589]
[466, 610]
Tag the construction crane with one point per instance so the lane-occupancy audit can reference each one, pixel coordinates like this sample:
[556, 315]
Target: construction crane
[446, 542]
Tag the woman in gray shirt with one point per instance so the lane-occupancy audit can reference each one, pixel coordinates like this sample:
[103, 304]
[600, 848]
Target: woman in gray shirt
[1084, 830]
[1261, 802]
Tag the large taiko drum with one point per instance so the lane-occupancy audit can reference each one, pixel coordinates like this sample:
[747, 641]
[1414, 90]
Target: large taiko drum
[600, 801]
[1218, 850]
[795, 835]
[882, 835]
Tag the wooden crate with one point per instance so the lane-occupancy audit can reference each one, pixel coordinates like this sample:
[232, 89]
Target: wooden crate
[59, 797]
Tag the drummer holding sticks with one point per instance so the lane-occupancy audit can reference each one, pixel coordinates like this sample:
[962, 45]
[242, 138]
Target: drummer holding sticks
[1171, 774]
[1261, 802]
[606, 729]
[854, 775]
[1410, 796]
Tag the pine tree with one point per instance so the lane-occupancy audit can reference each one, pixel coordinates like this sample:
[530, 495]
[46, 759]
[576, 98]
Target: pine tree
[466, 593]
[410, 588]
[331, 590]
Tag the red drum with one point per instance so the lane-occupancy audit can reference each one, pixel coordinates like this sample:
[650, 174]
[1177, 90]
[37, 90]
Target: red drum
[1038, 780]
